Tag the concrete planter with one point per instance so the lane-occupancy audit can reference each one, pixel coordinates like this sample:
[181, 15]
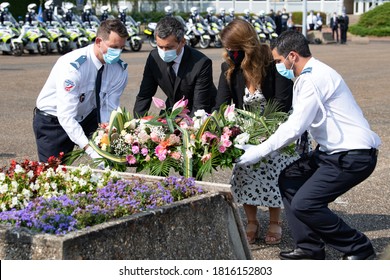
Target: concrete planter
[202, 227]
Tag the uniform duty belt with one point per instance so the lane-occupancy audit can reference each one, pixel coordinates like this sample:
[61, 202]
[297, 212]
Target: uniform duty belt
[42, 113]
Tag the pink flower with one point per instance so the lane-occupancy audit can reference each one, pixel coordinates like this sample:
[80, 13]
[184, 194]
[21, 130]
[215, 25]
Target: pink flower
[154, 137]
[161, 152]
[135, 149]
[207, 137]
[206, 157]
[144, 151]
[222, 149]
[159, 103]
[176, 155]
[131, 159]
[182, 103]
[229, 113]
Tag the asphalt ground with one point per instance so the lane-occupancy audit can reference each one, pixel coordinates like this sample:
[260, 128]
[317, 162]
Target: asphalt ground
[365, 67]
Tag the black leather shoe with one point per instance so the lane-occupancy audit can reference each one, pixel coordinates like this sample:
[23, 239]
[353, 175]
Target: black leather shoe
[297, 254]
[367, 255]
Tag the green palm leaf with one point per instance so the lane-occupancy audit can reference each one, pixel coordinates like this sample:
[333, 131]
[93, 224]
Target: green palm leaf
[161, 168]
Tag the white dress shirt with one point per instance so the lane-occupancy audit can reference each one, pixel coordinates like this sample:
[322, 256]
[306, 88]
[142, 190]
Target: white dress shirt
[69, 92]
[324, 105]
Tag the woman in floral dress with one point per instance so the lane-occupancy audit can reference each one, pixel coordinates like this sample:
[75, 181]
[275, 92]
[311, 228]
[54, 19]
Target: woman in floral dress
[249, 79]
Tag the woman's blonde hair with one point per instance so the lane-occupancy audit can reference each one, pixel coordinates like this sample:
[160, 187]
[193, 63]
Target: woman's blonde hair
[241, 35]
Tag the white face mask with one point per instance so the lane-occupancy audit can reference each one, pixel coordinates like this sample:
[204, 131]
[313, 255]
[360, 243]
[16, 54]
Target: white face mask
[287, 73]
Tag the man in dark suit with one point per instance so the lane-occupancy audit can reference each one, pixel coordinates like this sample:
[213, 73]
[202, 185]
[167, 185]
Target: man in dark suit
[344, 23]
[334, 24]
[192, 77]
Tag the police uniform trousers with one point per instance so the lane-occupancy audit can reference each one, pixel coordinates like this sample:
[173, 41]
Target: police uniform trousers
[307, 187]
[52, 139]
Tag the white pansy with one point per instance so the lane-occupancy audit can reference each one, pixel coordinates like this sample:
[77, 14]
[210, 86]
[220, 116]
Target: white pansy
[2, 177]
[54, 185]
[82, 182]
[242, 138]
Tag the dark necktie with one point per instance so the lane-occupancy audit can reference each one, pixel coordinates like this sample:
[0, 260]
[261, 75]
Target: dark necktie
[98, 84]
[171, 73]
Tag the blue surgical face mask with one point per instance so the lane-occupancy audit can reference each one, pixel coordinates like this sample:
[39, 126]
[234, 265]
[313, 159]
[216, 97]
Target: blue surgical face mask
[287, 73]
[112, 55]
[167, 56]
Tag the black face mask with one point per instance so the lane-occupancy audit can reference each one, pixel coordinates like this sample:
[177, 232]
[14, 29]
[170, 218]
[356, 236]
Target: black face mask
[236, 56]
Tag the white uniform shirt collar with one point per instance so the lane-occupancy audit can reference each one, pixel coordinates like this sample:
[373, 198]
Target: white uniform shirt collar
[95, 60]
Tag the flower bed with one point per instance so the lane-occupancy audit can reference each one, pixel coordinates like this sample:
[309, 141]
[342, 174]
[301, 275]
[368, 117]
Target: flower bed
[97, 215]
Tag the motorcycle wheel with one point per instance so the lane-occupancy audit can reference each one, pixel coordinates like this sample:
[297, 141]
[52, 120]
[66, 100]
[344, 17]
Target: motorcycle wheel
[65, 48]
[18, 50]
[136, 46]
[152, 42]
[204, 44]
[44, 49]
[218, 44]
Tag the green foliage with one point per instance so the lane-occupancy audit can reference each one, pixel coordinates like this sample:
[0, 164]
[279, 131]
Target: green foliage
[373, 23]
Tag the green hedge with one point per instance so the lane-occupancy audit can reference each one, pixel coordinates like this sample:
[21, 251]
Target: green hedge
[373, 23]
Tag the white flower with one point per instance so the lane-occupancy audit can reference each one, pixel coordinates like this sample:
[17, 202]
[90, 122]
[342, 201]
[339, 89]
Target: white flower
[3, 188]
[14, 185]
[84, 169]
[54, 185]
[19, 169]
[242, 138]
[30, 174]
[82, 182]
[26, 193]
[14, 201]
[2, 177]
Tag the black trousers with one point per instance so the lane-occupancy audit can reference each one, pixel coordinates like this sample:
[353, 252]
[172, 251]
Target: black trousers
[52, 139]
[309, 185]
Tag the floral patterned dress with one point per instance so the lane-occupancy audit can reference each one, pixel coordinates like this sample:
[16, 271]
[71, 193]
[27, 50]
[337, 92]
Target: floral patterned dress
[259, 186]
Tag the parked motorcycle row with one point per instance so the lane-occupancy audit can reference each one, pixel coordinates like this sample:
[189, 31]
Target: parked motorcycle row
[202, 34]
[18, 38]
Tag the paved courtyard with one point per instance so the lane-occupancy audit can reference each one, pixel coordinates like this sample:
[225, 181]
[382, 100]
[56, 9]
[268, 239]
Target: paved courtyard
[365, 68]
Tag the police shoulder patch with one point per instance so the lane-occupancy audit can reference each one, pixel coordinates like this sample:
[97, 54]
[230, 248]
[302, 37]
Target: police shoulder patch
[69, 85]
[77, 63]
[122, 64]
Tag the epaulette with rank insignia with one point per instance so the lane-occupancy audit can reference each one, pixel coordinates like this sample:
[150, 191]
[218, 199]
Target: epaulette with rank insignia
[77, 63]
[306, 70]
[122, 64]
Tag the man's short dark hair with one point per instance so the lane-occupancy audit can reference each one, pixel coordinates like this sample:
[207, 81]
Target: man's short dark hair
[112, 25]
[291, 40]
[168, 26]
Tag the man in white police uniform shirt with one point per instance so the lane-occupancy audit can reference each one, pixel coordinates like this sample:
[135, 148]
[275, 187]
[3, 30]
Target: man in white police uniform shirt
[66, 109]
[345, 156]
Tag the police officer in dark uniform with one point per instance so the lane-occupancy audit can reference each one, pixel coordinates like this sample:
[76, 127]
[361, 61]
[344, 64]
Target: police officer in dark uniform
[4, 12]
[283, 19]
[104, 10]
[47, 14]
[86, 15]
[31, 15]
[122, 14]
